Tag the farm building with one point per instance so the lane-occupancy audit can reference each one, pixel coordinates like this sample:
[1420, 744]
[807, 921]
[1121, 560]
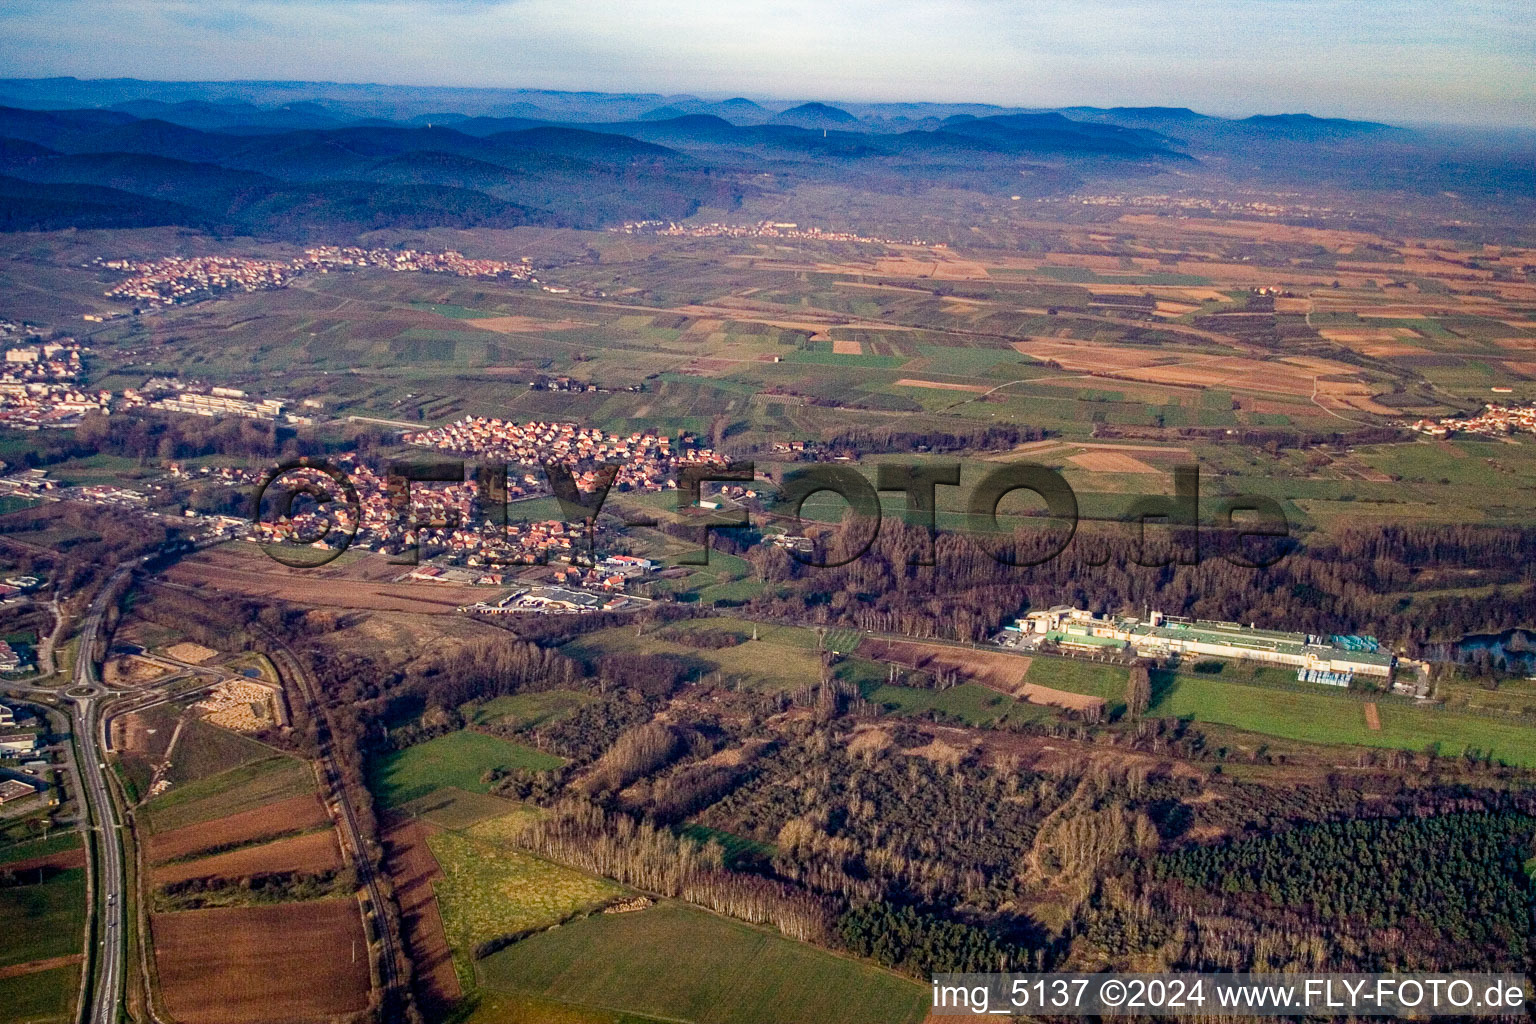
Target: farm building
[1331, 660]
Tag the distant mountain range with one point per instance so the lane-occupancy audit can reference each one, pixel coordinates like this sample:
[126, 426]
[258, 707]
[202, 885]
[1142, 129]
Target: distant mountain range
[313, 160]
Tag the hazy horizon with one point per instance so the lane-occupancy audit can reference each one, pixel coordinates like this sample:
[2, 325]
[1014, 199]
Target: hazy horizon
[1410, 62]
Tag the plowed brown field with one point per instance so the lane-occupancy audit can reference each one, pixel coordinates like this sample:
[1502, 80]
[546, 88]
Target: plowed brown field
[414, 869]
[312, 852]
[996, 669]
[293, 814]
[280, 963]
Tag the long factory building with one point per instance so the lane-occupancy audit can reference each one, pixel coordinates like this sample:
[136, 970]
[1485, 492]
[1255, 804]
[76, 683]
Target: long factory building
[1332, 660]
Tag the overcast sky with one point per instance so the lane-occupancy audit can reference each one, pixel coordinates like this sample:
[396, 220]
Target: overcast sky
[1397, 60]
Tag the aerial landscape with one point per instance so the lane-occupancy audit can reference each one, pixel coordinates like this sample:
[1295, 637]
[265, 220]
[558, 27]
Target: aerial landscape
[656, 517]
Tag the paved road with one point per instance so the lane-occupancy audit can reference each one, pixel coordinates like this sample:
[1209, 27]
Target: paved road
[110, 888]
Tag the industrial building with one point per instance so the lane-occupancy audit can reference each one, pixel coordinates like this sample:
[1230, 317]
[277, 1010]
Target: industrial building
[1330, 660]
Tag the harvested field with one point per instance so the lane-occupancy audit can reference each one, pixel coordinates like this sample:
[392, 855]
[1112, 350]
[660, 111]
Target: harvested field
[286, 962]
[271, 820]
[32, 966]
[1391, 348]
[64, 859]
[520, 324]
[997, 670]
[847, 347]
[908, 382]
[1294, 376]
[135, 733]
[945, 267]
[1110, 462]
[415, 872]
[259, 576]
[192, 654]
[1037, 694]
[250, 786]
[1368, 334]
[1372, 717]
[311, 852]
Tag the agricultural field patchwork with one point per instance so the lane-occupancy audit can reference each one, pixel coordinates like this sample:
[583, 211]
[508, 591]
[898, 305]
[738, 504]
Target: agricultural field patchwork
[231, 792]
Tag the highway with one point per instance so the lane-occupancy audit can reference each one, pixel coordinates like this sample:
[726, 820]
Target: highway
[109, 889]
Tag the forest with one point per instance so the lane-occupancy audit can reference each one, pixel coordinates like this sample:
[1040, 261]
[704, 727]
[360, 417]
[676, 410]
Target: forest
[1454, 886]
[1356, 580]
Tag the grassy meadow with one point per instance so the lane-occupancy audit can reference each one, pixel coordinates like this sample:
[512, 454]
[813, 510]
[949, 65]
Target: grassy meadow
[1324, 717]
[459, 759]
[675, 962]
[489, 890]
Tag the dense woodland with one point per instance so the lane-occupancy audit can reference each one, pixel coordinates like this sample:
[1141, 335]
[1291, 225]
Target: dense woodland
[1455, 886]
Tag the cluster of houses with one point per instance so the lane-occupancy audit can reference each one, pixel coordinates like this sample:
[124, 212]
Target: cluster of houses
[794, 449]
[328, 257]
[573, 386]
[1495, 420]
[1331, 660]
[173, 279]
[646, 461]
[39, 387]
[445, 521]
[170, 280]
[762, 229]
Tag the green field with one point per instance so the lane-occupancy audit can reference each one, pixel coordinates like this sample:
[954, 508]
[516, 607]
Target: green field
[1076, 676]
[44, 920]
[453, 808]
[674, 962]
[41, 997]
[528, 710]
[1334, 718]
[459, 759]
[489, 890]
[204, 750]
[780, 659]
[239, 789]
[971, 703]
[59, 842]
